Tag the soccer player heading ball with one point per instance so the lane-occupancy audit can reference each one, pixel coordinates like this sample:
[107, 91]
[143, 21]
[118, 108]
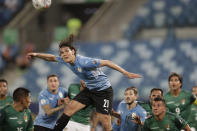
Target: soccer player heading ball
[98, 92]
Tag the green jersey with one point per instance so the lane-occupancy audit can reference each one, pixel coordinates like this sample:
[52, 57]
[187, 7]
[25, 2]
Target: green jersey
[16, 121]
[7, 101]
[83, 115]
[192, 119]
[147, 107]
[179, 104]
[170, 122]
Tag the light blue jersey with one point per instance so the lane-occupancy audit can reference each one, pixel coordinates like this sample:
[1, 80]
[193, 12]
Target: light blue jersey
[88, 69]
[126, 116]
[47, 97]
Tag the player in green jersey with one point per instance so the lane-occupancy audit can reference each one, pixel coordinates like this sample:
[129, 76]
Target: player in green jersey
[17, 117]
[4, 99]
[155, 92]
[178, 100]
[161, 120]
[192, 119]
[81, 119]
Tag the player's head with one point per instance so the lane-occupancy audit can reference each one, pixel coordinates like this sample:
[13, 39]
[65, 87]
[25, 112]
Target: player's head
[175, 81]
[155, 92]
[130, 95]
[67, 49]
[22, 96]
[158, 106]
[194, 90]
[52, 83]
[3, 88]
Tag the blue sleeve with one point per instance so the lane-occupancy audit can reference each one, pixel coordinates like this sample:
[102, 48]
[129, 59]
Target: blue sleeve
[65, 92]
[43, 100]
[59, 59]
[142, 114]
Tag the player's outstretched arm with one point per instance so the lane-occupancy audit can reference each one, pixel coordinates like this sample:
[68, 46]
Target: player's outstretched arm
[44, 56]
[118, 68]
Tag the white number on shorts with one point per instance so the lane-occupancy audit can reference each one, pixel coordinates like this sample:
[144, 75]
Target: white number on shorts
[106, 103]
[19, 128]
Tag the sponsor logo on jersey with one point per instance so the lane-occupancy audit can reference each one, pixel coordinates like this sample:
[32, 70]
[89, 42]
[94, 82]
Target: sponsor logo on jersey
[13, 118]
[153, 128]
[73, 94]
[170, 102]
[20, 122]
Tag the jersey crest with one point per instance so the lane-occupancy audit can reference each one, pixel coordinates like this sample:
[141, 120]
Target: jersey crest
[183, 101]
[79, 69]
[167, 127]
[25, 117]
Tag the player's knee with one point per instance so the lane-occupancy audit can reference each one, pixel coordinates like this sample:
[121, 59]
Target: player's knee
[69, 110]
[73, 107]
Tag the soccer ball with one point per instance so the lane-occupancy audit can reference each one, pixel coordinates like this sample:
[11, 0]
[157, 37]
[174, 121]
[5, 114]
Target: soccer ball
[41, 4]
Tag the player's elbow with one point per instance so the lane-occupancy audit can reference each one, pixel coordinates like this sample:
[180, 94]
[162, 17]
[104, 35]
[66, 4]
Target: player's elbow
[49, 113]
[105, 63]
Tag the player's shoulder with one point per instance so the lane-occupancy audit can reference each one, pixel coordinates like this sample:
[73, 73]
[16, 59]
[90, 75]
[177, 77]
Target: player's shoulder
[7, 107]
[168, 94]
[62, 89]
[74, 85]
[170, 114]
[122, 102]
[28, 111]
[186, 92]
[44, 93]
[10, 97]
[142, 103]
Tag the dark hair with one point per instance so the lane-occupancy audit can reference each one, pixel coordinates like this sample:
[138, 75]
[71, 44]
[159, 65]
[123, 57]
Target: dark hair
[20, 93]
[132, 88]
[3, 80]
[160, 99]
[156, 89]
[177, 75]
[68, 43]
[52, 75]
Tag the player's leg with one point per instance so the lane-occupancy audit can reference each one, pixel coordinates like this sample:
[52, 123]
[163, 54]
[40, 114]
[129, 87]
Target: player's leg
[103, 103]
[41, 128]
[73, 107]
[105, 121]
[79, 102]
[75, 126]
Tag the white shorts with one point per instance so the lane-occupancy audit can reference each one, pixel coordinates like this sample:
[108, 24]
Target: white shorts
[75, 126]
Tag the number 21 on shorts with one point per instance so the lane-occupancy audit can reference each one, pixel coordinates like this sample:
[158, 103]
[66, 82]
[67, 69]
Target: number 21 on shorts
[106, 103]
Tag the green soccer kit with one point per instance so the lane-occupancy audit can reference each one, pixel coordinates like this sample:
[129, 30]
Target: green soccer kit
[16, 121]
[192, 119]
[170, 122]
[179, 104]
[147, 107]
[7, 101]
[83, 115]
